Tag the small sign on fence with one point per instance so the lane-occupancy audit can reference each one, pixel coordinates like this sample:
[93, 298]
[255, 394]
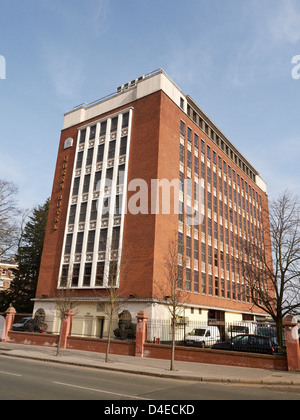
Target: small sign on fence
[2, 327]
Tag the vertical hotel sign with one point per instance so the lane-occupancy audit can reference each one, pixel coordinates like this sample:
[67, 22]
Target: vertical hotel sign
[68, 143]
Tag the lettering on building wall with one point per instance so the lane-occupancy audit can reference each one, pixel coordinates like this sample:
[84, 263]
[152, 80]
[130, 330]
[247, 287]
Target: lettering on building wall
[59, 199]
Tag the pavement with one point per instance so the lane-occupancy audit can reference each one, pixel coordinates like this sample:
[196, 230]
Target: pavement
[154, 367]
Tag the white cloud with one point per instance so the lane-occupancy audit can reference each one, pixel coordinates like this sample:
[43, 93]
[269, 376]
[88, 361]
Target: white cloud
[64, 69]
[284, 23]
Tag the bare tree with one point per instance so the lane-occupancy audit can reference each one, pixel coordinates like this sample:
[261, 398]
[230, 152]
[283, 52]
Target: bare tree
[9, 230]
[171, 289]
[113, 298]
[64, 302]
[272, 271]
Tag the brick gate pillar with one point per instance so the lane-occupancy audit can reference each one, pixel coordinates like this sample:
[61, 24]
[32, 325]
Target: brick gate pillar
[292, 343]
[66, 328]
[141, 333]
[9, 320]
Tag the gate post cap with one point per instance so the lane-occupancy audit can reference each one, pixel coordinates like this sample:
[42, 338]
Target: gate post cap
[142, 315]
[290, 320]
[11, 310]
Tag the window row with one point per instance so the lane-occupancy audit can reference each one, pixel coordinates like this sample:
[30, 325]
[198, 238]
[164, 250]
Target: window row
[100, 153]
[71, 278]
[95, 181]
[221, 143]
[91, 246]
[212, 285]
[103, 128]
[95, 210]
[226, 171]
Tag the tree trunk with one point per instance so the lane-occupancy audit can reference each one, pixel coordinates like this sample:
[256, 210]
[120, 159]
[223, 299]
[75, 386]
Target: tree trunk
[279, 332]
[59, 338]
[109, 334]
[173, 345]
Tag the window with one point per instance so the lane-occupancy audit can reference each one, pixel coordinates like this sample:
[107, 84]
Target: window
[106, 207]
[79, 243]
[203, 252]
[94, 210]
[103, 239]
[118, 205]
[90, 242]
[72, 214]
[100, 153]
[196, 165]
[210, 285]
[82, 136]
[79, 160]
[97, 180]
[203, 283]
[216, 286]
[100, 274]
[123, 146]
[75, 275]
[112, 149]
[115, 238]
[196, 141]
[209, 227]
[202, 147]
[196, 249]
[109, 175]
[188, 246]
[179, 276]
[76, 186]
[125, 120]
[189, 159]
[196, 191]
[64, 276]
[86, 184]
[121, 174]
[209, 255]
[181, 103]
[68, 244]
[114, 124]
[182, 129]
[208, 153]
[188, 280]
[182, 152]
[82, 215]
[196, 282]
[89, 159]
[189, 135]
[103, 128]
[214, 158]
[87, 274]
[92, 132]
[216, 258]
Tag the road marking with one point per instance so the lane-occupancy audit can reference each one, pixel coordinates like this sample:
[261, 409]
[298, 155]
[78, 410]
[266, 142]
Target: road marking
[102, 391]
[9, 373]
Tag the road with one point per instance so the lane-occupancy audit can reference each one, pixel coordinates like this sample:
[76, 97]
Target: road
[22, 379]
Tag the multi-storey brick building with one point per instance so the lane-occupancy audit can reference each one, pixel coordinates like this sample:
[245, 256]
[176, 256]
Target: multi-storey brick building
[6, 273]
[112, 149]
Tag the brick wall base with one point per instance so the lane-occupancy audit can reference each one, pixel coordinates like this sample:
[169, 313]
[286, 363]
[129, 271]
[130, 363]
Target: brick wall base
[156, 351]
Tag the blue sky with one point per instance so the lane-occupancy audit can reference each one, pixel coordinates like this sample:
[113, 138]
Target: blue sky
[233, 57]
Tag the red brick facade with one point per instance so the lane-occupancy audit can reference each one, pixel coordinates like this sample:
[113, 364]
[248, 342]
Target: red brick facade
[155, 154]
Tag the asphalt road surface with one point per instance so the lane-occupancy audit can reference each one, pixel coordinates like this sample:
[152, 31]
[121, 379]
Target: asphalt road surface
[22, 379]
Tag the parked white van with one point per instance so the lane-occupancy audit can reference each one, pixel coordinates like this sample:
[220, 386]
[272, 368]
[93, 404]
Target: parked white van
[203, 337]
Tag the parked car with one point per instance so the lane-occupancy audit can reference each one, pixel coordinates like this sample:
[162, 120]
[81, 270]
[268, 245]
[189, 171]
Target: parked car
[203, 337]
[250, 343]
[239, 329]
[25, 324]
